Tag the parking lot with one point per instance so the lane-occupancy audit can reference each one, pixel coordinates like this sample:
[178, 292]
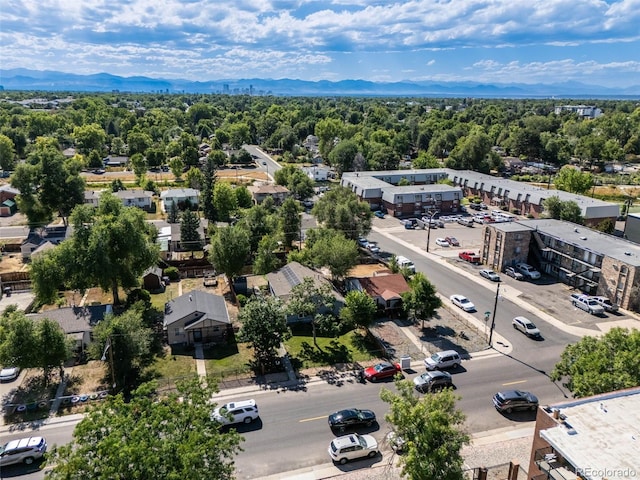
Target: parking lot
[546, 294]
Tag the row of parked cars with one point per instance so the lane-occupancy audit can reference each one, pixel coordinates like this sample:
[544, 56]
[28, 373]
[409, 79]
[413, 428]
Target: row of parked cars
[595, 305]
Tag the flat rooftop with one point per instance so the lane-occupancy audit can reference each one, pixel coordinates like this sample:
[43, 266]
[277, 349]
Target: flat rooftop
[600, 435]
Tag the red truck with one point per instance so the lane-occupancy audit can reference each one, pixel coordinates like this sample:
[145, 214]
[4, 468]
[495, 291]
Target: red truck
[470, 257]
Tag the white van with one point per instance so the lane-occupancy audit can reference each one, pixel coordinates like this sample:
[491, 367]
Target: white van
[404, 262]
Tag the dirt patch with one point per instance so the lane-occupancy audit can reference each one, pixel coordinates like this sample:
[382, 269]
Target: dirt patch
[366, 270]
[12, 263]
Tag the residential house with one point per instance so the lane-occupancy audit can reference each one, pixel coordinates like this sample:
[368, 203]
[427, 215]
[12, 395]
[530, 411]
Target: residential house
[282, 281]
[115, 161]
[386, 289]
[76, 322]
[182, 197]
[591, 438]
[260, 192]
[7, 192]
[136, 198]
[196, 317]
[91, 197]
[317, 173]
[39, 237]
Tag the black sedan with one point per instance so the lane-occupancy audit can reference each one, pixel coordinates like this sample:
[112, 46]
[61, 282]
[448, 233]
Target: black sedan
[351, 417]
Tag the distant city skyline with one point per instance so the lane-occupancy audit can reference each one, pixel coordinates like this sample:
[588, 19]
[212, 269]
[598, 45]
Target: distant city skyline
[502, 41]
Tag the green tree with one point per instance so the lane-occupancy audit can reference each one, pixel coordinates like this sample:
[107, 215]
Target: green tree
[572, 180]
[566, 210]
[139, 165]
[264, 326]
[173, 215]
[138, 142]
[243, 197]
[169, 436]
[266, 260]
[589, 366]
[95, 159]
[290, 221]
[89, 137]
[343, 155]
[258, 223]
[195, 178]
[334, 251]
[340, 209]
[26, 343]
[48, 183]
[7, 153]
[296, 181]
[422, 299]
[432, 428]
[359, 309]
[229, 251]
[328, 130]
[224, 201]
[239, 134]
[117, 185]
[314, 301]
[176, 164]
[208, 185]
[125, 341]
[111, 246]
[190, 238]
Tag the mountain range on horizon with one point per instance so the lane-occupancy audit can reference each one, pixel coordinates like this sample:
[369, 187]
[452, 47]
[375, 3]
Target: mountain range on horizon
[39, 80]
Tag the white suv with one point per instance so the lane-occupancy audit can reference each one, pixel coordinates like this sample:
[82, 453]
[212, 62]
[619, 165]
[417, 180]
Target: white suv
[24, 450]
[528, 271]
[349, 447]
[245, 411]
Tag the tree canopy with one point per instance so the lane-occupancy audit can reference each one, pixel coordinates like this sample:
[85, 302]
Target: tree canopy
[340, 209]
[422, 299]
[149, 436]
[432, 428]
[567, 210]
[600, 365]
[111, 246]
[571, 179]
[230, 247]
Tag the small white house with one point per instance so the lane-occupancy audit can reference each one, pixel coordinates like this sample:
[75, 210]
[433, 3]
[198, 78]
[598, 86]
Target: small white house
[136, 198]
[179, 196]
[317, 173]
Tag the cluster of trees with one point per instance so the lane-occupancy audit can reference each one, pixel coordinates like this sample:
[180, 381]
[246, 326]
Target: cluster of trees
[353, 133]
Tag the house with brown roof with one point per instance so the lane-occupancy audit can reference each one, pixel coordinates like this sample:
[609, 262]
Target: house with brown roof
[386, 289]
[260, 192]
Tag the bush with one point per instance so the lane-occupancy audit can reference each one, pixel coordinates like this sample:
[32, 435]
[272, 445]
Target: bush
[138, 295]
[173, 273]
[242, 299]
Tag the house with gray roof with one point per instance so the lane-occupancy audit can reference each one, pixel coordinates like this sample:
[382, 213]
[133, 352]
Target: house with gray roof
[196, 317]
[39, 237]
[182, 197]
[76, 322]
[136, 198]
[282, 281]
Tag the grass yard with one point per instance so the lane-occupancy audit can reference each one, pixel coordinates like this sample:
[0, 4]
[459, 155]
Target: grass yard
[233, 359]
[174, 365]
[350, 347]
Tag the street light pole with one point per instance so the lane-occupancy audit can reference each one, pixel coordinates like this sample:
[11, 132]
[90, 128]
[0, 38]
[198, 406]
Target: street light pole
[109, 348]
[431, 215]
[493, 318]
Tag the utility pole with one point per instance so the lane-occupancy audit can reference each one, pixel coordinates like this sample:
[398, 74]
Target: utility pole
[108, 347]
[431, 215]
[493, 318]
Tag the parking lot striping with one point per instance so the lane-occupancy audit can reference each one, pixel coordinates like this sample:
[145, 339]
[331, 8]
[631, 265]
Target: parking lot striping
[312, 419]
[514, 383]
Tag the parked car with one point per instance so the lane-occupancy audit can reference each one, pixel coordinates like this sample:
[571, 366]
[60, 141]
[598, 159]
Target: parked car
[245, 411]
[350, 418]
[349, 447]
[586, 303]
[470, 257]
[373, 247]
[526, 326]
[442, 242]
[8, 374]
[513, 273]
[381, 370]
[440, 360]
[466, 221]
[23, 450]
[396, 442]
[432, 380]
[509, 400]
[490, 274]
[363, 242]
[528, 271]
[462, 302]
[607, 304]
[379, 213]
[453, 241]
[404, 262]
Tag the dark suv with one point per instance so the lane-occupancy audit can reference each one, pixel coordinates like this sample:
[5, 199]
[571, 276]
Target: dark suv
[510, 400]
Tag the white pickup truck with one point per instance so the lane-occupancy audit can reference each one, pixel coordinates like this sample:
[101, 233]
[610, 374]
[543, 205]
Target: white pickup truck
[586, 303]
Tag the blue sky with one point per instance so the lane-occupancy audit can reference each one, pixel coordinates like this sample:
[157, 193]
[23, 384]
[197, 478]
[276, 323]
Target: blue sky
[489, 41]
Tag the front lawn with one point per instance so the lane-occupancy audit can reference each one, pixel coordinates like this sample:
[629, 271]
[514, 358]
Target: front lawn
[350, 347]
[228, 360]
[174, 365]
